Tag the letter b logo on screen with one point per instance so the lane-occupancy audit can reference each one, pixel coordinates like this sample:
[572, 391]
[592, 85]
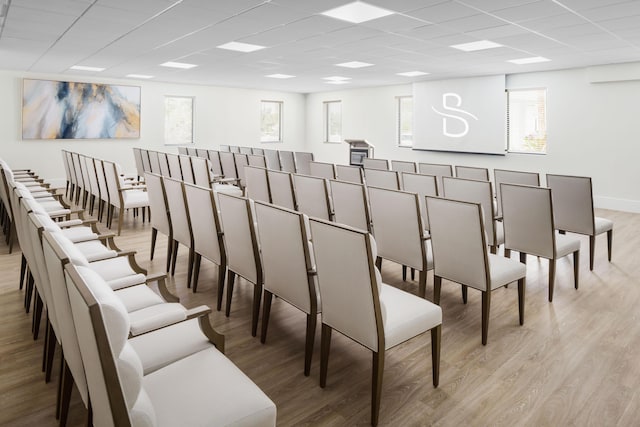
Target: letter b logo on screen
[454, 120]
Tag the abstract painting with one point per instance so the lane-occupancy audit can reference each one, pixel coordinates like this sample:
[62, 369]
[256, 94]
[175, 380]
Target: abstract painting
[73, 110]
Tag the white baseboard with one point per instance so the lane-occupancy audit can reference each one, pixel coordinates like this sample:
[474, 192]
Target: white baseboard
[625, 205]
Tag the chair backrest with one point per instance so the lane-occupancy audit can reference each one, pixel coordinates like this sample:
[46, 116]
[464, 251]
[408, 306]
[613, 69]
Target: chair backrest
[228, 163]
[474, 191]
[113, 183]
[312, 196]
[202, 153]
[436, 169]
[203, 214]
[78, 170]
[257, 151]
[287, 161]
[469, 172]
[572, 198]
[381, 164]
[281, 189]
[178, 211]
[146, 160]
[137, 157]
[225, 148]
[403, 166]
[92, 176]
[345, 260]
[382, 178]
[257, 184]
[397, 227]
[185, 166]
[66, 159]
[286, 258]
[175, 168]
[273, 159]
[164, 164]
[85, 172]
[257, 160]
[214, 157]
[234, 149]
[201, 171]
[241, 161]
[158, 203]
[457, 239]
[246, 150]
[303, 159]
[237, 222]
[154, 158]
[102, 180]
[528, 220]
[322, 170]
[350, 204]
[191, 151]
[513, 177]
[182, 150]
[350, 174]
[423, 185]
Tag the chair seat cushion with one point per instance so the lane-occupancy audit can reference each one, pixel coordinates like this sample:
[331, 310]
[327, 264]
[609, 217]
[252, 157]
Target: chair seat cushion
[566, 245]
[206, 388]
[94, 250]
[126, 281]
[135, 199]
[186, 338]
[112, 269]
[228, 189]
[79, 234]
[406, 315]
[156, 316]
[602, 225]
[503, 271]
[138, 297]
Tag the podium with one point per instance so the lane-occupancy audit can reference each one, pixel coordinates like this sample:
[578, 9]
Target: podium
[359, 149]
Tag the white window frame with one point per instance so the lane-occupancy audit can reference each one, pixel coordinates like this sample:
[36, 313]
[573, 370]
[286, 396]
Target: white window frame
[168, 119]
[399, 142]
[325, 113]
[263, 137]
[546, 144]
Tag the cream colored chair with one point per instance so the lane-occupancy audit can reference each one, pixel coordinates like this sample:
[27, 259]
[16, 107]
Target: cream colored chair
[257, 160]
[436, 169]
[123, 395]
[312, 196]
[357, 304]
[246, 150]
[216, 167]
[403, 166]
[288, 267]
[180, 223]
[243, 254]
[281, 189]
[379, 164]
[228, 163]
[399, 232]
[234, 149]
[257, 184]
[529, 228]
[183, 151]
[273, 159]
[123, 197]
[225, 148]
[512, 177]
[160, 220]
[470, 172]
[187, 171]
[350, 204]
[573, 210]
[350, 174]
[303, 162]
[382, 178]
[322, 170]
[287, 161]
[241, 161]
[154, 159]
[460, 255]
[257, 151]
[175, 168]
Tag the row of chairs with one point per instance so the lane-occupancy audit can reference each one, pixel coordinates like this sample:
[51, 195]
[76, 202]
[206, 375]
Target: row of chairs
[114, 331]
[286, 161]
[92, 181]
[275, 250]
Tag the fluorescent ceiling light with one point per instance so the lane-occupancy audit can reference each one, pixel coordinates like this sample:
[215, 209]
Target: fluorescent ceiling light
[530, 60]
[412, 74]
[181, 65]
[357, 12]
[337, 82]
[280, 76]
[336, 78]
[241, 47]
[354, 64]
[479, 45]
[139, 76]
[85, 68]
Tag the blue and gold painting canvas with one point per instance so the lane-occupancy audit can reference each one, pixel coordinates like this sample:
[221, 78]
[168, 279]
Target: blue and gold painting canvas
[72, 110]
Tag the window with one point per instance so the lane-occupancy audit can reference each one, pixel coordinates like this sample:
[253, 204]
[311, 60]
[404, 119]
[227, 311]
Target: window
[178, 120]
[405, 121]
[333, 121]
[527, 121]
[271, 121]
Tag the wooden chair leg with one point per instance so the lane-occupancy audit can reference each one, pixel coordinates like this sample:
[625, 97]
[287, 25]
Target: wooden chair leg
[523, 257]
[175, 257]
[552, 277]
[255, 313]
[169, 253]
[493, 249]
[436, 334]
[521, 294]
[196, 272]
[576, 268]
[437, 285]
[464, 293]
[23, 271]
[154, 236]
[486, 309]
[325, 347]
[120, 219]
[60, 378]
[37, 315]
[609, 242]
[67, 384]
[222, 271]
[190, 267]
[413, 273]
[50, 352]
[507, 253]
[379, 263]
[422, 286]
[266, 311]
[309, 340]
[231, 278]
[376, 385]
[404, 273]
[592, 250]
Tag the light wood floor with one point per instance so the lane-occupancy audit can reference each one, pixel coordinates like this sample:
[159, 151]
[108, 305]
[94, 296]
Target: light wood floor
[574, 362]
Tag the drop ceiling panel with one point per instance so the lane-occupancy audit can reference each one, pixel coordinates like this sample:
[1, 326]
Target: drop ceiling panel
[618, 10]
[496, 32]
[473, 23]
[442, 12]
[297, 30]
[428, 32]
[530, 11]
[395, 22]
[492, 5]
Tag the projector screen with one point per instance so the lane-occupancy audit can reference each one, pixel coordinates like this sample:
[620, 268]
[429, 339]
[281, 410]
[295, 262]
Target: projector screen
[467, 115]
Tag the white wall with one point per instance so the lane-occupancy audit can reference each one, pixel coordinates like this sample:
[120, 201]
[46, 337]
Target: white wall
[593, 130]
[222, 116]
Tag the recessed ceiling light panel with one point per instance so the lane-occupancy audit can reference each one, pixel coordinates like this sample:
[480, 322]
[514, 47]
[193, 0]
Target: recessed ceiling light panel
[354, 64]
[139, 76]
[241, 47]
[336, 78]
[181, 65]
[530, 60]
[412, 74]
[85, 68]
[474, 46]
[337, 82]
[280, 76]
[357, 12]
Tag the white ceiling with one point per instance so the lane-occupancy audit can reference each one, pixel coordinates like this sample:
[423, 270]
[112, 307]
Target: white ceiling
[135, 36]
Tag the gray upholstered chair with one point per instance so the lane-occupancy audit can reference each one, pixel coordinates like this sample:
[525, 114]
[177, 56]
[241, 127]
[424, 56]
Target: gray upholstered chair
[312, 196]
[573, 210]
[187, 171]
[403, 166]
[281, 189]
[529, 228]
[350, 174]
[322, 170]
[470, 172]
[512, 177]
[257, 160]
[380, 164]
[287, 161]
[241, 161]
[216, 167]
[228, 163]
[350, 204]
[357, 304]
[460, 255]
[382, 178]
[436, 169]
[257, 184]
[272, 158]
[289, 270]
[303, 160]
